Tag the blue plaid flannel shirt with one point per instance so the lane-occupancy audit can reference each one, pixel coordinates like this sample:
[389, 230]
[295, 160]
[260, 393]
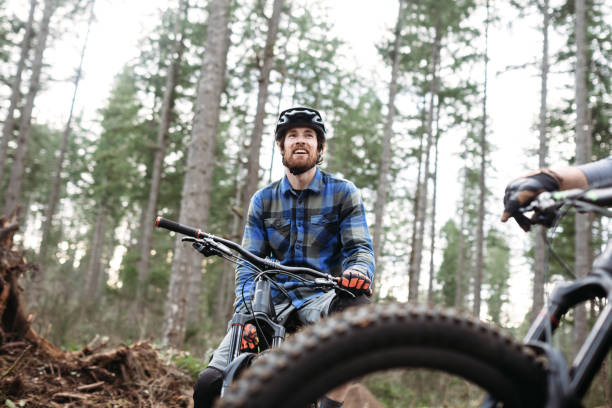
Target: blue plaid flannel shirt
[322, 227]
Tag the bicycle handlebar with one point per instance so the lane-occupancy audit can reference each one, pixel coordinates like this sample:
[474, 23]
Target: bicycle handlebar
[161, 222]
[546, 204]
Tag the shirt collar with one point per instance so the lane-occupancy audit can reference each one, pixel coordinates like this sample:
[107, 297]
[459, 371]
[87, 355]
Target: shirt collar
[314, 186]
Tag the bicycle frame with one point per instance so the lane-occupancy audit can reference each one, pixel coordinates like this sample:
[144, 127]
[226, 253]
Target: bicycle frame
[597, 344]
[263, 312]
[568, 386]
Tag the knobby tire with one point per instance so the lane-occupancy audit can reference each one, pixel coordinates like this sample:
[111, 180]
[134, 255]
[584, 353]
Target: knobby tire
[378, 337]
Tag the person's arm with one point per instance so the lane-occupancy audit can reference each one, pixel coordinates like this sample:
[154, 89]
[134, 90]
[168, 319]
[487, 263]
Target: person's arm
[521, 191]
[254, 240]
[598, 173]
[570, 177]
[357, 252]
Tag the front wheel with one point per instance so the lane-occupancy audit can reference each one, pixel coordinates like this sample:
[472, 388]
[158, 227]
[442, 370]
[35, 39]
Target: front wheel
[379, 337]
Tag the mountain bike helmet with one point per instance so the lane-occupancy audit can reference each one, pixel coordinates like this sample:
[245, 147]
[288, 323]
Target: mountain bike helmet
[300, 116]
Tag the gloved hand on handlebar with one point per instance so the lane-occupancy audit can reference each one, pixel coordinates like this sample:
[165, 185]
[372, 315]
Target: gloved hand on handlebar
[355, 282]
[522, 191]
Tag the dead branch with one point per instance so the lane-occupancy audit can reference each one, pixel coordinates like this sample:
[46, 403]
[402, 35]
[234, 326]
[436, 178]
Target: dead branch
[7, 232]
[89, 387]
[17, 361]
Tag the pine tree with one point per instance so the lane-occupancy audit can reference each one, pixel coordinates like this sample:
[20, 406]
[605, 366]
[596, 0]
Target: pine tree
[195, 201]
[57, 179]
[252, 175]
[385, 158]
[482, 177]
[114, 174]
[9, 122]
[541, 251]
[496, 274]
[13, 191]
[168, 100]
[583, 155]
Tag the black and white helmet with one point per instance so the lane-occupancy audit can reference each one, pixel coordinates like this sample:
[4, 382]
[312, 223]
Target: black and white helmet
[300, 116]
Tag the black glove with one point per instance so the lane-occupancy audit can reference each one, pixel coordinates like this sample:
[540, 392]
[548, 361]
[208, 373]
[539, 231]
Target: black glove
[522, 191]
[355, 282]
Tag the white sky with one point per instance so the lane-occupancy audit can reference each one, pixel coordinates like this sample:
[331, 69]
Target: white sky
[512, 105]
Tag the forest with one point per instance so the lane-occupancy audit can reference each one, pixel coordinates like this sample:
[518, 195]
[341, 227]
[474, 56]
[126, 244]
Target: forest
[185, 131]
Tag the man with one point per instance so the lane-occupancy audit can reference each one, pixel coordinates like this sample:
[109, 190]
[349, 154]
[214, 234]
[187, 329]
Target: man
[308, 218]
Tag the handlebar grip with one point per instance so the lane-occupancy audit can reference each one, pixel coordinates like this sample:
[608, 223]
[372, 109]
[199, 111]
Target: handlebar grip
[161, 222]
[369, 293]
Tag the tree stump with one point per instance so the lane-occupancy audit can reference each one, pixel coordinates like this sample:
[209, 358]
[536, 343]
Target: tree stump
[15, 323]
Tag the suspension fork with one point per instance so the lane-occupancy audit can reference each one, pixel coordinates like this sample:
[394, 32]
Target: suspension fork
[597, 344]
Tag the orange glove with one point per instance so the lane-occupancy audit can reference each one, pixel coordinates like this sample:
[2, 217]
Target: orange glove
[355, 282]
[250, 341]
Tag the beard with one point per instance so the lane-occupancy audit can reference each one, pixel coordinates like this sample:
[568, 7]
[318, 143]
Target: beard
[298, 166]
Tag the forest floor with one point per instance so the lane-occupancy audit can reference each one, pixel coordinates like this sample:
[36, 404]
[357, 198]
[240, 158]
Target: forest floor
[36, 373]
[133, 376]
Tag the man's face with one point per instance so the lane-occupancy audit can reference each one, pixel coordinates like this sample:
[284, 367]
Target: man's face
[300, 148]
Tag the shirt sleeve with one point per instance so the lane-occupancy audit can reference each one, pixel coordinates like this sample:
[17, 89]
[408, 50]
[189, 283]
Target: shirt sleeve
[357, 252]
[255, 241]
[598, 172]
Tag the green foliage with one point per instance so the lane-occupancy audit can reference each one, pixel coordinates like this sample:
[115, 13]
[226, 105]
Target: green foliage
[422, 388]
[190, 364]
[391, 391]
[447, 273]
[357, 139]
[115, 169]
[42, 161]
[496, 274]
[599, 83]
[6, 28]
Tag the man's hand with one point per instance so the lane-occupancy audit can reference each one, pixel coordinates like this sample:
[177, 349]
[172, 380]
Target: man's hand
[356, 282]
[522, 191]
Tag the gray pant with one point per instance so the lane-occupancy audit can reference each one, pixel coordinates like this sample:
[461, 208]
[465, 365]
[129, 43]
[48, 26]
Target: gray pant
[309, 313]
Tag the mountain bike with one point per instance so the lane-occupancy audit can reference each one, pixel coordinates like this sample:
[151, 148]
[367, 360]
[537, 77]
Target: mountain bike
[260, 312]
[531, 373]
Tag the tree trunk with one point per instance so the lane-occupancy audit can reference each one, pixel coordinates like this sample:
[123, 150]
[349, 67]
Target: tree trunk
[417, 195]
[252, 177]
[385, 159]
[55, 191]
[9, 123]
[13, 193]
[461, 244]
[432, 231]
[195, 200]
[540, 267]
[94, 266]
[415, 265]
[160, 153]
[225, 293]
[481, 182]
[583, 155]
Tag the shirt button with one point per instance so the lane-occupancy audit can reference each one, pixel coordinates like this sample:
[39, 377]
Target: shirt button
[298, 246]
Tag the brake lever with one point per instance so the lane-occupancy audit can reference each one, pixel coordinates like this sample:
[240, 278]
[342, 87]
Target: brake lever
[545, 211]
[203, 246]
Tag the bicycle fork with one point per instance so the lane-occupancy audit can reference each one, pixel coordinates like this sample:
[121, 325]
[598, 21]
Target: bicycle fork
[573, 384]
[262, 314]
